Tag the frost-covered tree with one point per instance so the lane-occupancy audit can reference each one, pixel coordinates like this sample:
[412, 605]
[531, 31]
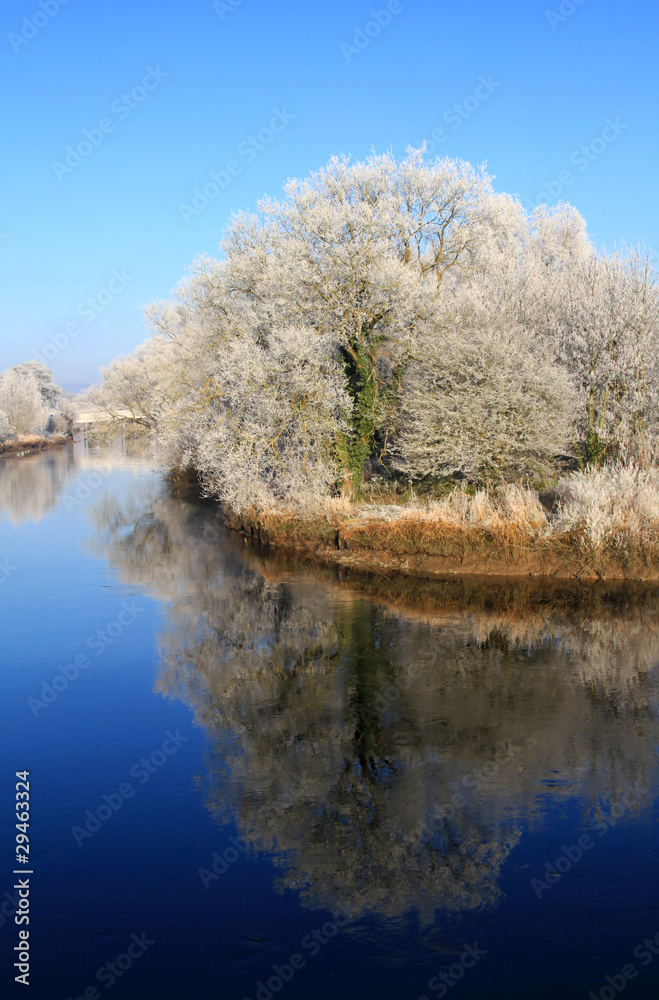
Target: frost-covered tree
[132, 384]
[359, 252]
[266, 427]
[606, 323]
[28, 398]
[482, 402]
[21, 403]
[51, 393]
[384, 303]
[483, 394]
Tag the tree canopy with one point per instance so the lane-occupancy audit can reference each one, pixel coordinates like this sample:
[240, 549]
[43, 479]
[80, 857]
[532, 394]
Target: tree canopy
[402, 313]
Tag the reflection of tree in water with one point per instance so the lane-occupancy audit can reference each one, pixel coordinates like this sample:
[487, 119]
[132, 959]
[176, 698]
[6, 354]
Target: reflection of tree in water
[340, 728]
[31, 486]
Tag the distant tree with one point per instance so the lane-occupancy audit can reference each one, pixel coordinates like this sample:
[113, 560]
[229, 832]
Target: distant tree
[50, 392]
[131, 384]
[21, 403]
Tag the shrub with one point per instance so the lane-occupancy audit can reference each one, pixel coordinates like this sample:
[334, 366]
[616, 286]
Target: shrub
[611, 506]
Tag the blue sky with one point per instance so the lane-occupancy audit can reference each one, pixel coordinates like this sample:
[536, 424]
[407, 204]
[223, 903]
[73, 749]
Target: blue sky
[170, 92]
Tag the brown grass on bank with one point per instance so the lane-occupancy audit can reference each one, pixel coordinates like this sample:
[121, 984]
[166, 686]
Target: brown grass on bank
[506, 523]
[487, 531]
[28, 444]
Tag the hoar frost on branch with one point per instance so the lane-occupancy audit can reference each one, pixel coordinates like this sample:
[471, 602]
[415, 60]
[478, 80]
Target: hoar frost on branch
[606, 325]
[482, 402]
[266, 430]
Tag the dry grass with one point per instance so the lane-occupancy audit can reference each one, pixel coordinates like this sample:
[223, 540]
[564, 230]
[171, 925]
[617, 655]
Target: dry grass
[437, 538]
[605, 518]
[31, 440]
[22, 444]
[511, 505]
[502, 523]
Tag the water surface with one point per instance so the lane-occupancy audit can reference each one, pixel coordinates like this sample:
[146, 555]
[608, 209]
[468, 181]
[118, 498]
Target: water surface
[283, 782]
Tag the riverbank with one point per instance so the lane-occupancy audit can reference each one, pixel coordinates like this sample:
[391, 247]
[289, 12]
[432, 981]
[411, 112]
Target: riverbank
[31, 444]
[595, 525]
[431, 549]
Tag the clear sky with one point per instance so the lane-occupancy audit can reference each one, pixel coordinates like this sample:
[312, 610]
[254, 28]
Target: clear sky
[558, 97]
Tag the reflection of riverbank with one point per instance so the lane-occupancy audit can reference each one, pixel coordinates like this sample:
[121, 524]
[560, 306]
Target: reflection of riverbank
[389, 755]
[612, 622]
[33, 484]
[419, 596]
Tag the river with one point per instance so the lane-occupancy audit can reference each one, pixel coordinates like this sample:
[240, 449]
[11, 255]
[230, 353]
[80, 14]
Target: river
[251, 777]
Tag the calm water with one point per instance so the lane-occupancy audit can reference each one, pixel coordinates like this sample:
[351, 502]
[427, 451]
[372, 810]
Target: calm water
[271, 782]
